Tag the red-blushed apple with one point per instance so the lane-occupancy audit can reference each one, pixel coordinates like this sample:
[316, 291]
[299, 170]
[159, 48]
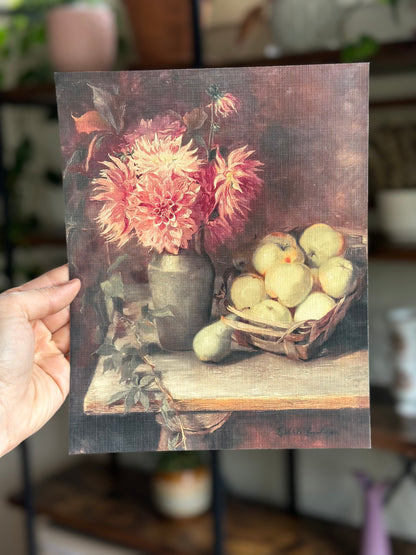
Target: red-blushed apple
[289, 283]
[321, 242]
[247, 290]
[314, 307]
[338, 277]
[290, 250]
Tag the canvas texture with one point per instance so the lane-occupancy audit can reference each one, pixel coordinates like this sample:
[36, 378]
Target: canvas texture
[217, 220]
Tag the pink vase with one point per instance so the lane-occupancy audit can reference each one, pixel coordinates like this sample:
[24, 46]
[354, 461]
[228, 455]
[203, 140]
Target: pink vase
[374, 539]
[82, 37]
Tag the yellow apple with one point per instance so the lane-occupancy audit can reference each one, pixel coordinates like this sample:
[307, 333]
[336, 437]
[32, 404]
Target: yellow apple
[247, 290]
[314, 307]
[270, 312]
[321, 242]
[289, 283]
[338, 277]
[289, 249]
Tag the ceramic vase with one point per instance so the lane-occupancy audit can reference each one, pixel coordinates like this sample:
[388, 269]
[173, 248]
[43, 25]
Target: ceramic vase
[181, 287]
[374, 538]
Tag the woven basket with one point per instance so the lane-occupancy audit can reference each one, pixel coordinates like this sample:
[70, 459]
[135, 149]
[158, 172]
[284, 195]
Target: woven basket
[298, 340]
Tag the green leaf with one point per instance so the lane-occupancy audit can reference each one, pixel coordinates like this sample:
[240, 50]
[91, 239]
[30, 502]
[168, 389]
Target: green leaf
[106, 349]
[118, 396]
[108, 365]
[109, 107]
[117, 360]
[150, 313]
[3, 36]
[137, 396]
[147, 381]
[174, 442]
[125, 371]
[129, 402]
[144, 400]
[129, 351]
[365, 48]
[117, 263]
[113, 287]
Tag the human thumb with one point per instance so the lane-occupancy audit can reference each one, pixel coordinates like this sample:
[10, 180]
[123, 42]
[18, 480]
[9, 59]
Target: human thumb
[39, 303]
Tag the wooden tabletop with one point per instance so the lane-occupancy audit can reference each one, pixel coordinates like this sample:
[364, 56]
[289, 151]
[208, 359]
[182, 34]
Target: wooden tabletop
[248, 381]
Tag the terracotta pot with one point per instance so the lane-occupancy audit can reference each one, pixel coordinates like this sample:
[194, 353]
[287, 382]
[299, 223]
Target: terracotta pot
[82, 37]
[162, 31]
[182, 493]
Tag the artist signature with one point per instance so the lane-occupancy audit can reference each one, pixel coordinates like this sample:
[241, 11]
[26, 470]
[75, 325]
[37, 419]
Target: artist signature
[326, 431]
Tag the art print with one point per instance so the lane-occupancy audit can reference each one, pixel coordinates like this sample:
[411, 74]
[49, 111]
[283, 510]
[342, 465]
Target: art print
[217, 221]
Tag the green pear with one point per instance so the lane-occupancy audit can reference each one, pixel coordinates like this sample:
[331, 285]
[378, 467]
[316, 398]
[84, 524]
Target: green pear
[213, 343]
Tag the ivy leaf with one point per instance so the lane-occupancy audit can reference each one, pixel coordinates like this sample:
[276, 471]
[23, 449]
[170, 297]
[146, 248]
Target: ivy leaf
[113, 287]
[125, 370]
[129, 351]
[166, 410]
[144, 400]
[117, 360]
[117, 263]
[118, 396]
[129, 402]
[108, 365]
[109, 107]
[137, 396]
[174, 442]
[147, 381]
[106, 349]
[150, 314]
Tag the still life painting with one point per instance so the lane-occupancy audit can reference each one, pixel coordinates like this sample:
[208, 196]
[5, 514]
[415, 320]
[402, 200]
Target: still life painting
[217, 221]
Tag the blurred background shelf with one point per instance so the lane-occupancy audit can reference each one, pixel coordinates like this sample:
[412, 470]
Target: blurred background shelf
[89, 499]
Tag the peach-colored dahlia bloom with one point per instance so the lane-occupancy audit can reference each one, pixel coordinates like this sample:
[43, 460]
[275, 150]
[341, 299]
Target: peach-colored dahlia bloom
[164, 155]
[115, 187]
[236, 183]
[166, 216]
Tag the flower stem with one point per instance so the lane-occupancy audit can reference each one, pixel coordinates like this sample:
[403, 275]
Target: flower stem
[211, 130]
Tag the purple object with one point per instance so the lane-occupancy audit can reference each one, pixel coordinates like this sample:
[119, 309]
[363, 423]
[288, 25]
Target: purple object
[374, 538]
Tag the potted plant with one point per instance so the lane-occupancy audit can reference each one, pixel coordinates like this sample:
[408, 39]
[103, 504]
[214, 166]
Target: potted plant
[82, 35]
[182, 485]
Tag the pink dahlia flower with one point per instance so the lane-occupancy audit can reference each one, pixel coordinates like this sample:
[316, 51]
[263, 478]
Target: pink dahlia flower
[115, 188]
[164, 217]
[164, 156]
[170, 125]
[236, 183]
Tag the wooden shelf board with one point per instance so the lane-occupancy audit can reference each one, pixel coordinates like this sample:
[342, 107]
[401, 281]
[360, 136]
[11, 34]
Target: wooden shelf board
[92, 499]
[389, 431]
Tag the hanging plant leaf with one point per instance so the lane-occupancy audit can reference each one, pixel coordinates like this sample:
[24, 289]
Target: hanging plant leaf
[119, 260]
[150, 314]
[147, 381]
[106, 349]
[108, 365]
[113, 287]
[118, 396]
[109, 107]
[144, 400]
[129, 402]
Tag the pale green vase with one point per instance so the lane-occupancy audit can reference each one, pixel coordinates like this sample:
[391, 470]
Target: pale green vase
[183, 284]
